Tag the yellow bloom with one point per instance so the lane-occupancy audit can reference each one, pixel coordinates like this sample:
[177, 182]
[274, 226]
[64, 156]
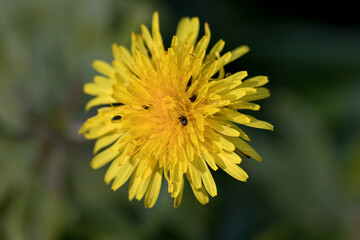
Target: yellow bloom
[168, 115]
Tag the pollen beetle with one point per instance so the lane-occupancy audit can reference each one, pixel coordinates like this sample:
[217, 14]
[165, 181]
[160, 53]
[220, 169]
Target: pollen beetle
[183, 120]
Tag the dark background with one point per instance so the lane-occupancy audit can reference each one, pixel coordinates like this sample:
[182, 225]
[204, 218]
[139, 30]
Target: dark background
[307, 186]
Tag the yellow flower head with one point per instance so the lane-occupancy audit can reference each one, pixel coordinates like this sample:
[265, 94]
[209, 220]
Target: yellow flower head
[171, 112]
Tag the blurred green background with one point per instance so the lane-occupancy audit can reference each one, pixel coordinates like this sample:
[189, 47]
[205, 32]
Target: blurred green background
[308, 185]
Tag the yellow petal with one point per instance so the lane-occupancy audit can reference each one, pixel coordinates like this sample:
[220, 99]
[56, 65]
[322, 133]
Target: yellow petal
[142, 189]
[245, 105]
[234, 126]
[201, 45]
[223, 129]
[154, 188]
[103, 158]
[207, 178]
[188, 30]
[105, 141]
[228, 83]
[103, 81]
[100, 100]
[231, 168]
[137, 186]
[231, 156]
[112, 171]
[226, 145]
[137, 44]
[238, 93]
[209, 158]
[148, 39]
[255, 123]
[200, 193]
[94, 89]
[125, 57]
[217, 48]
[223, 61]
[175, 180]
[120, 94]
[238, 52]
[256, 81]
[194, 174]
[179, 197]
[133, 185]
[245, 148]
[234, 116]
[261, 93]
[124, 172]
[103, 67]
[98, 131]
[156, 32]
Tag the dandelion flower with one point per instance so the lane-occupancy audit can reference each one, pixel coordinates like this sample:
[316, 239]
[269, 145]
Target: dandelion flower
[171, 113]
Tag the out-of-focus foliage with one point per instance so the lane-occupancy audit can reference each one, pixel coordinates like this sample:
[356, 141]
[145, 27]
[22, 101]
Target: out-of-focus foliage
[307, 187]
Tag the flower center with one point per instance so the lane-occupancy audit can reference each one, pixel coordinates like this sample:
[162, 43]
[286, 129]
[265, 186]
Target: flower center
[168, 104]
[171, 110]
